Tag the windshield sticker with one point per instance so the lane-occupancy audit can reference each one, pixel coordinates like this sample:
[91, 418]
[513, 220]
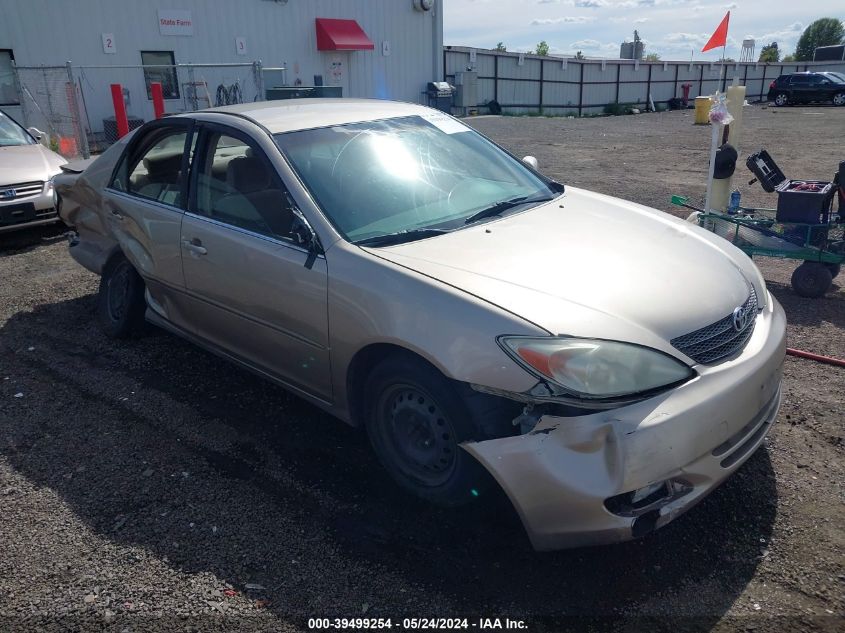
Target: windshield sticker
[445, 123]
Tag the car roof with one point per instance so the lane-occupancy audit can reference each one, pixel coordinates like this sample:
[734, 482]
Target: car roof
[289, 115]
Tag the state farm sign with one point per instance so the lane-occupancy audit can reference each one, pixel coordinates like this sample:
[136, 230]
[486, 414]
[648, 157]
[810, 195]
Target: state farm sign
[175, 22]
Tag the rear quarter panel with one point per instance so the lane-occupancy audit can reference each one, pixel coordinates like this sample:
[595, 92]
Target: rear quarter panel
[82, 206]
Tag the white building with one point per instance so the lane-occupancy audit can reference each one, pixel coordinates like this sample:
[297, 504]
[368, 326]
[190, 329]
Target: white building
[368, 48]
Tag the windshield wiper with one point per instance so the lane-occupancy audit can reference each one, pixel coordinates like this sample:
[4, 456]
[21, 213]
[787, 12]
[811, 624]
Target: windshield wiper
[504, 205]
[400, 237]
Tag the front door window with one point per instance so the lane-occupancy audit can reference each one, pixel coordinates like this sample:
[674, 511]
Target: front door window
[238, 186]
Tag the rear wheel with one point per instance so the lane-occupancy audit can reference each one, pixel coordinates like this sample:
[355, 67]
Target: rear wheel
[416, 420]
[811, 279]
[839, 99]
[120, 303]
[781, 99]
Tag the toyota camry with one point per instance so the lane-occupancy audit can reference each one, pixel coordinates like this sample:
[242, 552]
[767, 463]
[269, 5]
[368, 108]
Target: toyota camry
[607, 365]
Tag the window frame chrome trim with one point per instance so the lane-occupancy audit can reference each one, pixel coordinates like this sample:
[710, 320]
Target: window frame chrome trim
[261, 236]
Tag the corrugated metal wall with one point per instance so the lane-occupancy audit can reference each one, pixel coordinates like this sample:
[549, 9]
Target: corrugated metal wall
[585, 87]
[52, 32]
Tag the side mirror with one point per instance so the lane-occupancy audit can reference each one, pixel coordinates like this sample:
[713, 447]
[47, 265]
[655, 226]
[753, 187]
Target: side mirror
[36, 133]
[531, 162]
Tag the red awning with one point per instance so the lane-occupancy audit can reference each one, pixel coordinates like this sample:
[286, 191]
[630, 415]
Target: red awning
[341, 35]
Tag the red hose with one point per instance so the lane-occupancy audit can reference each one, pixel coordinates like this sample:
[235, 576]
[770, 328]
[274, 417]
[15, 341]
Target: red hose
[817, 357]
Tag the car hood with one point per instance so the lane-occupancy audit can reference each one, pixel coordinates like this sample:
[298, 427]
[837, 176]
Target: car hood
[591, 265]
[26, 163]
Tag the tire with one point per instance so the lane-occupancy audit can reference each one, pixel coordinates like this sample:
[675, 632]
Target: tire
[781, 99]
[839, 99]
[834, 269]
[120, 302]
[811, 279]
[416, 419]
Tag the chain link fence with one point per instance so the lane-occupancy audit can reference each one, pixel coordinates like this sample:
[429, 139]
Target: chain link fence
[186, 88]
[73, 104]
[49, 101]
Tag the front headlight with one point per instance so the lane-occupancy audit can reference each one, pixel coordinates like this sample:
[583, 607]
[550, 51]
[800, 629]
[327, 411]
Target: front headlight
[596, 369]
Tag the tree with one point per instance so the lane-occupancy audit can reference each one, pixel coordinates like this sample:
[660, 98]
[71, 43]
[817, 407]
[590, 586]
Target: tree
[822, 32]
[501, 47]
[770, 53]
[542, 48]
[652, 57]
[579, 55]
[788, 58]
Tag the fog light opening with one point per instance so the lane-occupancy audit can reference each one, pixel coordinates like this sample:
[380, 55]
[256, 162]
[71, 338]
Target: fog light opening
[643, 500]
[641, 496]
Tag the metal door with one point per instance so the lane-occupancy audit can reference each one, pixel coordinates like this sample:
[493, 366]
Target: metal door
[256, 295]
[143, 206]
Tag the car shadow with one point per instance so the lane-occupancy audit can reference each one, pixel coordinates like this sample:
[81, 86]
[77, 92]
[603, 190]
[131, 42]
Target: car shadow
[21, 240]
[155, 443]
[809, 312]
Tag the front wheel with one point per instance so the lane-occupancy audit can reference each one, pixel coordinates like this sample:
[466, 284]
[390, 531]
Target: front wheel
[811, 279]
[120, 302]
[839, 99]
[416, 421]
[781, 99]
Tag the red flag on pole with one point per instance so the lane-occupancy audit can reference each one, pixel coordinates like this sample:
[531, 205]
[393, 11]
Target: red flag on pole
[720, 35]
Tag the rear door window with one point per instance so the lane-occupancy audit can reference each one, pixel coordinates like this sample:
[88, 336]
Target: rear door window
[154, 167]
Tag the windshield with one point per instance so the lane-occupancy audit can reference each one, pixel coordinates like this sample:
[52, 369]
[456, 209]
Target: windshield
[405, 174]
[836, 77]
[12, 134]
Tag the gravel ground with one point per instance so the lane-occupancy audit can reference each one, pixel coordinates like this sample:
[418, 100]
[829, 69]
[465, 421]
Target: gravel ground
[146, 485]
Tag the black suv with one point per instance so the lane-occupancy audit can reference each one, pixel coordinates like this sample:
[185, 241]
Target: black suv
[807, 87]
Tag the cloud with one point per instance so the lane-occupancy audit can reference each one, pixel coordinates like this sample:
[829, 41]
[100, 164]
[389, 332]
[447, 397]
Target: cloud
[788, 33]
[591, 44]
[671, 27]
[585, 44]
[591, 4]
[580, 19]
[687, 38]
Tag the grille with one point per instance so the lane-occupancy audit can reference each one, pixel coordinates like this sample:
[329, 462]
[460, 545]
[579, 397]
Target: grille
[20, 190]
[719, 339]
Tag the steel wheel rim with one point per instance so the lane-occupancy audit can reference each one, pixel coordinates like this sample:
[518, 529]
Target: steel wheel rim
[780, 100]
[418, 435]
[118, 293]
[839, 99]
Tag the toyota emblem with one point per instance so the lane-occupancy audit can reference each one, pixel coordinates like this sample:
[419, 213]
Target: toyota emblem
[740, 319]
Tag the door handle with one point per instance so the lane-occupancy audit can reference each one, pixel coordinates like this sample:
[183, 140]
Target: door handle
[194, 246]
[115, 213]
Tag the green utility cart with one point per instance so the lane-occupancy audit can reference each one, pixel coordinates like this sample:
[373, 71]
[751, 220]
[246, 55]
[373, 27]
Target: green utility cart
[804, 225]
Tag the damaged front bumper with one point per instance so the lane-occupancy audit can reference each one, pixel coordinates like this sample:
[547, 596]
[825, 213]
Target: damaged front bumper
[615, 475]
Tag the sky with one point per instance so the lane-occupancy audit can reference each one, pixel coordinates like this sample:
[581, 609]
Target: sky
[674, 29]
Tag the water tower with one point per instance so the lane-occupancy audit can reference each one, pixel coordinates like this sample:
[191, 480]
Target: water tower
[747, 54]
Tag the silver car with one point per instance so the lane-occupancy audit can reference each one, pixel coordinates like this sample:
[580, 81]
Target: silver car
[26, 167]
[607, 364]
